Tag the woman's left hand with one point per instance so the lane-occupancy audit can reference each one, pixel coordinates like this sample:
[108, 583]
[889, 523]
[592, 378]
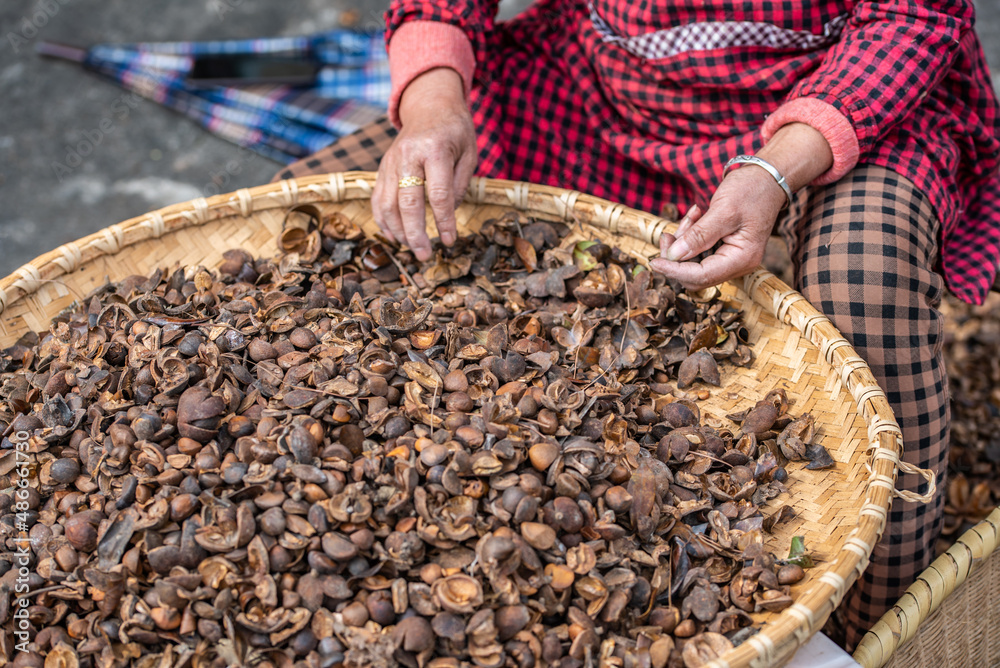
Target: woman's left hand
[742, 211]
[741, 215]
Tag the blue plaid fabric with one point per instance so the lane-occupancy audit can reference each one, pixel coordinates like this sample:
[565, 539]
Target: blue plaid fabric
[281, 122]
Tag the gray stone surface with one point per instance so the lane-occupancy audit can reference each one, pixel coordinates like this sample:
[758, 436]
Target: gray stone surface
[146, 156]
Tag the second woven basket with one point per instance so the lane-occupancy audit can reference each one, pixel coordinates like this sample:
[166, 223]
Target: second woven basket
[948, 618]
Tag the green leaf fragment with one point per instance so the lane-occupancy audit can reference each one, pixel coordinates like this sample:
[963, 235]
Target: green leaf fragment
[584, 260]
[798, 555]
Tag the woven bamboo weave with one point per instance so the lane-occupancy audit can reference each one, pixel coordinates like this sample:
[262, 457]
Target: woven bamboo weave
[841, 512]
[948, 618]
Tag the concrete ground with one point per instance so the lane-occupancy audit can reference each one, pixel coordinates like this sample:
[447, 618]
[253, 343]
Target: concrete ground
[152, 156]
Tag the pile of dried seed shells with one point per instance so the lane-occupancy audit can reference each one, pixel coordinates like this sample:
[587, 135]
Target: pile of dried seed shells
[970, 351]
[340, 457]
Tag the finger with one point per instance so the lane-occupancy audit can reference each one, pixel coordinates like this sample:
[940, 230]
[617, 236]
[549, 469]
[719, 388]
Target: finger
[413, 212]
[378, 202]
[689, 219]
[464, 170]
[385, 205]
[441, 195]
[728, 262]
[666, 240]
[700, 237]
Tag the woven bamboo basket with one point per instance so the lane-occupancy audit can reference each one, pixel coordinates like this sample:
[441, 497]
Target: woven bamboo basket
[840, 512]
[947, 618]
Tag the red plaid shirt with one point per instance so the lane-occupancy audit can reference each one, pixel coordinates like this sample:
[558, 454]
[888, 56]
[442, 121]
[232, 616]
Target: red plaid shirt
[644, 102]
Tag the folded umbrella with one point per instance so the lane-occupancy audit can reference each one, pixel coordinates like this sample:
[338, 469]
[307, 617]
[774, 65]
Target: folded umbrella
[279, 121]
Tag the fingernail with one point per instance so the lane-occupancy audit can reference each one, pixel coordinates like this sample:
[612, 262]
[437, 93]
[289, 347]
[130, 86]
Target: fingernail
[448, 238]
[678, 250]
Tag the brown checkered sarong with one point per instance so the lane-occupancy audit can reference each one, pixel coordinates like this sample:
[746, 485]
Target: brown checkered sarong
[361, 150]
[864, 251]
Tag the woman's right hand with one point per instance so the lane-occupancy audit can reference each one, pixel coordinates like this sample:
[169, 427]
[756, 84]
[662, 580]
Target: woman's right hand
[437, 143]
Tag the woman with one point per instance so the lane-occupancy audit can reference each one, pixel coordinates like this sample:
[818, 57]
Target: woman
[874, 123]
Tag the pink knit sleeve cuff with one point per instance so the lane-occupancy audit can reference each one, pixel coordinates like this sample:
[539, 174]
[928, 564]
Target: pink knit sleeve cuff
[419, 46]
[828, 121]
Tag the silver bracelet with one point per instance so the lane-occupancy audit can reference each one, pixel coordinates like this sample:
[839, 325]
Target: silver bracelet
[768, 167]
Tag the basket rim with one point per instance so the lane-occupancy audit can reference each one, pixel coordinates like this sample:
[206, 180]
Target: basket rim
[781, 636]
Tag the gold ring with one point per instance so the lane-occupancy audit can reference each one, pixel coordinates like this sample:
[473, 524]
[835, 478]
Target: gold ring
[410, 181]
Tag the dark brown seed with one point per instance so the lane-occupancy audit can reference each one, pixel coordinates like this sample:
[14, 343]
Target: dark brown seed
[167, 619]
[355, 614]
[449, 626]
[378, 386]
[413, 634]
[469, 436]
[162, 559]
[618, 499]
[527, 406]
[302, 445]
[199, 413]
[81, 533]
[434, 454]
[146, 426]
[790, 574]
[303, 642]
[380, 607]
[459, 401]
[666, 618]
[543, 454]
[65, 470]
[190, 343]
[272, 521]
[678, 415]
[261, 350]
[396, 427]
[209, 630]
[548, 421]
[539, 536]
[67, 558]
[685, 629]
[339, 548]
[363, 539]
[240, 425]
[302, 338]
[183, 506]
[510, 619]
[761, 418]
[565, 515]
[645, 415]
[205, 460]
[456, 381]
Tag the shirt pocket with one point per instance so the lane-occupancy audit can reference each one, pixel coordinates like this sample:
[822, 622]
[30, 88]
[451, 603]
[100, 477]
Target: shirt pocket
[759, 44]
